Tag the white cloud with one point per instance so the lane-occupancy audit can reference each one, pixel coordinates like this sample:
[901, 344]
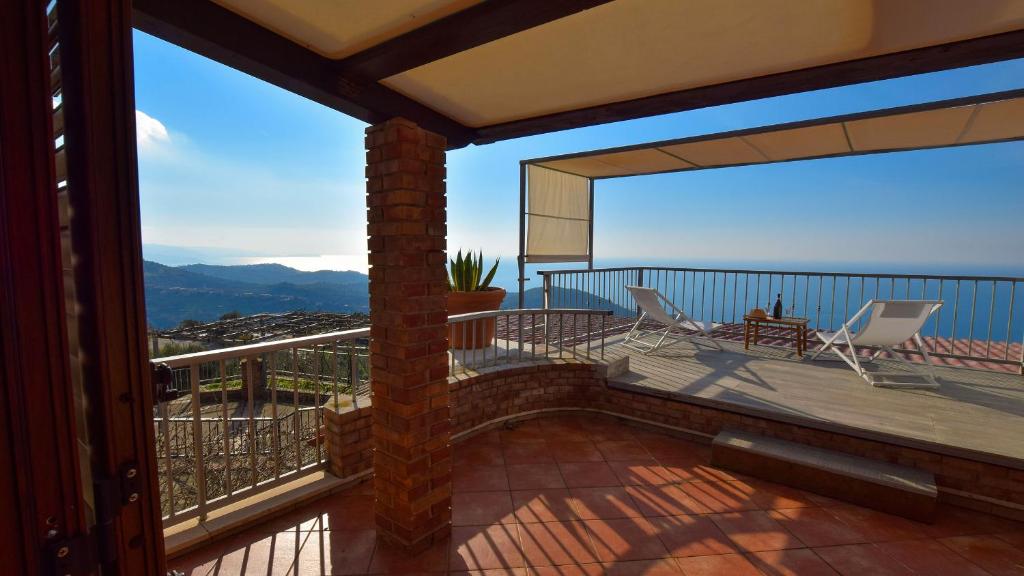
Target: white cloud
[149, 131]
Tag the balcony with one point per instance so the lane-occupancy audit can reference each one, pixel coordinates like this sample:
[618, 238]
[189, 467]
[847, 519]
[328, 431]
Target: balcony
[573, 450]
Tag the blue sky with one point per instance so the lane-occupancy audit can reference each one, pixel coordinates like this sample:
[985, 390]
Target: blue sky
[234, 169]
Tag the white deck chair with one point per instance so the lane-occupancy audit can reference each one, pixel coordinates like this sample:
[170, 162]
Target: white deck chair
[652, 304]
[891, 323]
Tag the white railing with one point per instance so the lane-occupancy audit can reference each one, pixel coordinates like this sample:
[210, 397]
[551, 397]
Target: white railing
[982, 319]
[480, 340]
[235, 421]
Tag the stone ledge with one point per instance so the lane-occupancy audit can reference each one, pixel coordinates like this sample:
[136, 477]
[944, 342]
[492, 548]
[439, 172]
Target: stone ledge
[241, 514]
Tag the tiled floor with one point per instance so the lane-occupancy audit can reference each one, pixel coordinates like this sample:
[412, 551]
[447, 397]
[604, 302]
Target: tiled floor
[573, 496]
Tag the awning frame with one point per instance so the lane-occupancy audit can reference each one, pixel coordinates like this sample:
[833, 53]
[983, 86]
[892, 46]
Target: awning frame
[831, 120]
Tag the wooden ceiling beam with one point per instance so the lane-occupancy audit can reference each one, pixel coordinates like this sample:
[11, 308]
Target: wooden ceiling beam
[208, 29]
[971, 52]
[458, 32]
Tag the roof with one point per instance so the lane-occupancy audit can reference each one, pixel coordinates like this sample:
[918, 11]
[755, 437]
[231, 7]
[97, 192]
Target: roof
[477, 72]
[983, 119]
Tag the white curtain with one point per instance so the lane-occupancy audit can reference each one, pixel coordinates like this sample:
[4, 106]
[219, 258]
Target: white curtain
[558, 216]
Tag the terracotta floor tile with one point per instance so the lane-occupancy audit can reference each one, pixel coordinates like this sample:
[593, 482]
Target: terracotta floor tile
[527, 453]
[479, 548]
[798, 562]
[574, 451]
[478, 455]
[545, 505]
[603, 503]
[646, 472]
[771, 496]
[730, 564]
[390, 560]
[479, 478]
[529, 431]
[693, 469]
[861, 560]
[685, 536]
[665, 501]
[598, 431]
[492, 572]
[659, 567]
[623, 450]
[956, 521]
[722, 496]
[482, 508]
[625, 539]
[562, 431]
[991, 553]
[588, 474]
[1014, 538]
[556, 543]
[929, 557]
[569, 570]
[817, 527]
[347, 512]
[878, 526]
[246, 553]
[666, 447]
[755, 531]
[524, 476]
[337, 552]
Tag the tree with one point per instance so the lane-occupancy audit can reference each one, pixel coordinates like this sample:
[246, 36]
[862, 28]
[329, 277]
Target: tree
[231, 315]
[189, 323]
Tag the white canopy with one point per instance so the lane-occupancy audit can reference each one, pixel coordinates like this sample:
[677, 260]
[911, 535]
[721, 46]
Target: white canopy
[559, 216]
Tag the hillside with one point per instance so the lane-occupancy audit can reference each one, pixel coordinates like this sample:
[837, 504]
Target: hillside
[569, 298]
[204, 293]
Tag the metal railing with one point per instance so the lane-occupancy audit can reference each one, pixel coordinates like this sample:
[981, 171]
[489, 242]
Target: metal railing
[481, 340]
[247, 418]
[982, 318]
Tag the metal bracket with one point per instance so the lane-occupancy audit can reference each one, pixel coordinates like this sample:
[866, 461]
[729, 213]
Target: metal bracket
[75, 556]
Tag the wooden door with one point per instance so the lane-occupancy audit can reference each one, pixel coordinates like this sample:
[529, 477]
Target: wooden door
[77, 414]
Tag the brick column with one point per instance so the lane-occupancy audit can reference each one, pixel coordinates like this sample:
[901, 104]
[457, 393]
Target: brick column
[408, 317]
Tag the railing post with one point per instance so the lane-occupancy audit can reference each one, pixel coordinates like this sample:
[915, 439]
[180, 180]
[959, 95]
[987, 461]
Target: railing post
[547, 291]
[197, 442]
[639, 282]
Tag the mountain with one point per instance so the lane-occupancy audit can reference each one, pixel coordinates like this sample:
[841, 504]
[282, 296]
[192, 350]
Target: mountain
[204, 293]
[275, 274]
[534, 298]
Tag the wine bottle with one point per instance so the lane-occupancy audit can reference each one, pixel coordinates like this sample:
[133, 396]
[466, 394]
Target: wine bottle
[777, 309]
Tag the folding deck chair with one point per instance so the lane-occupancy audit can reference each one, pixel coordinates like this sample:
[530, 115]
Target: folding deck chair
[653, 304]
[891, 323]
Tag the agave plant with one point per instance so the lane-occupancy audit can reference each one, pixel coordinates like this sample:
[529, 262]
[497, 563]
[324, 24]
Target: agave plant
[466, 273]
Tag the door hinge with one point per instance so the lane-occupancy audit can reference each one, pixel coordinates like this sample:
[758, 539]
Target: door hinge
[80, 555]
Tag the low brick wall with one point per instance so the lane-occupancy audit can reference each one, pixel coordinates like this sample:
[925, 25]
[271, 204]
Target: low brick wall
[349, 433]
[479, 401]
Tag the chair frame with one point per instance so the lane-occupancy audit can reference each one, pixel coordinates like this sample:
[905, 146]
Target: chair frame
[637, 337]
[853, 360]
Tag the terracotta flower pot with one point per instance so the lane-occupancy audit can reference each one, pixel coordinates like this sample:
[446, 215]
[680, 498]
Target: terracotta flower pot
[478, 333]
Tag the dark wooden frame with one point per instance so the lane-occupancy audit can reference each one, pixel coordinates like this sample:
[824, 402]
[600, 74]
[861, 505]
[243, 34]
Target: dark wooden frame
[40, 487]
[106, 239]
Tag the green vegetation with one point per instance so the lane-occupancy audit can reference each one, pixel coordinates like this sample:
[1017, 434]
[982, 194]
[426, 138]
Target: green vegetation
[179, 348]
[465, 273]
[231, 315]
[284, 383]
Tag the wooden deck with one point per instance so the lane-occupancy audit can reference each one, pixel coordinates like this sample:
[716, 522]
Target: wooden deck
[974, 412]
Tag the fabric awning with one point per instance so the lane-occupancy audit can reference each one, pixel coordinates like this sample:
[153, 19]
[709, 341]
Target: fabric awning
[975, 120]
[557, 217]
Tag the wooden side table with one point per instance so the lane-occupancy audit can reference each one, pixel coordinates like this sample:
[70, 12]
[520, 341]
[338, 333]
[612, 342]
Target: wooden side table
[752, 328]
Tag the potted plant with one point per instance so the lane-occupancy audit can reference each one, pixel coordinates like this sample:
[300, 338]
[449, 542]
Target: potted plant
[469, 290]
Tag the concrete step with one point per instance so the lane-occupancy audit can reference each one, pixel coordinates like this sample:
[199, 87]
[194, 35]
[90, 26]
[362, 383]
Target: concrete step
[887, 487]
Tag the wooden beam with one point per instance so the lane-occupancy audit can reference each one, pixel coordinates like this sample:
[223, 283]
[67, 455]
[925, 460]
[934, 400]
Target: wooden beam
[971, 52]
[208, 29]
[469, 28]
